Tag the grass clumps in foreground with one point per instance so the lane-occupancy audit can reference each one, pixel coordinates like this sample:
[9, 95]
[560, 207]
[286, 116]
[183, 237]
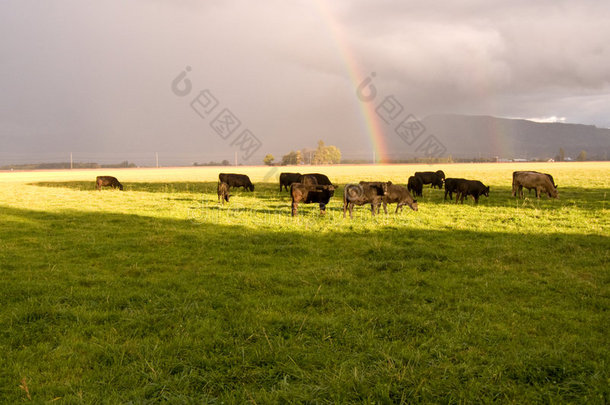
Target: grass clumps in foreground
[157, 294]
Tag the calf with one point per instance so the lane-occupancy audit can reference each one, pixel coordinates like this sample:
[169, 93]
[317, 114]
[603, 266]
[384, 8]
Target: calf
[223, 192]
[451, 185]
[302, 193]
[286, 179]
[534, 180]
[471, 187]
[366, 192]
[415, 186]
[107, 181]
[236, 180]
[435, 179]
[399, 195]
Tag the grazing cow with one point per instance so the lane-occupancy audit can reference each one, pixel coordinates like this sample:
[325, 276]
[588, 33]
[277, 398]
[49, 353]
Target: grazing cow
[107, 181]
[223, 192]
[286, 179]
[308, 180]
[530, 189]
[435, 179]
[367, 192]
[415, 186]
[399, 195]
[471, 187]
[322, 178]
[236, 180]
[320, 194]
[451, 185]
[534, 180]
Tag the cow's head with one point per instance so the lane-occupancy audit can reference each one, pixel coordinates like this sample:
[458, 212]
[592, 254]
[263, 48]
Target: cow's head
[251, 187]
[553, 193]
[120, 187]
[486, 192]
[384, 187]
[413, 205]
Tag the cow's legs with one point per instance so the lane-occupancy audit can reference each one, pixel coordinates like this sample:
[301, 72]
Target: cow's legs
[322, 209]
[345, 204]
[385, 207]
[373, 209]
[295, 207]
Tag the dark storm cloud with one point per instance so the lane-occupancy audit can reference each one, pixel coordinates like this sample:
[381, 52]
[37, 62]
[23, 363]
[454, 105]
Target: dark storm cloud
[95, 77]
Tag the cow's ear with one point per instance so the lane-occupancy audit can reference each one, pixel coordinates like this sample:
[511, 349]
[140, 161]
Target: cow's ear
[389, 183]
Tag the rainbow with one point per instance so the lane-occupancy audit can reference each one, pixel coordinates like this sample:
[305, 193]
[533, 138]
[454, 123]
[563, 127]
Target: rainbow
[374, 126]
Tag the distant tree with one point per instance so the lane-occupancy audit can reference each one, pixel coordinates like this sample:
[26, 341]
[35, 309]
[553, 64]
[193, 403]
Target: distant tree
[326, 154]
[226, 163]
[582, 156]
[561, 155]
[334, 154]
[290, 158]
[268, 160]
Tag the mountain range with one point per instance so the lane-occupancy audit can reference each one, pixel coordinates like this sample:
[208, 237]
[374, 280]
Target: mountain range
[466, 136]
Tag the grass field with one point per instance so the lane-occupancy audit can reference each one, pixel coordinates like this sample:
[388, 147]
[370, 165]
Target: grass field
[159, 294]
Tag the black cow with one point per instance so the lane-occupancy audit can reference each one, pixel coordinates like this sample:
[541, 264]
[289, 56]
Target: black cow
[308, 180]
[320, 194]
[322, 178]
[415, 186]
[399, 195]
[451, 185]
[236, 180]
[534, 180]
[471, 187]
[223, 192]
[435, 179]
[286, 179]
[107, 181]
[366, 192]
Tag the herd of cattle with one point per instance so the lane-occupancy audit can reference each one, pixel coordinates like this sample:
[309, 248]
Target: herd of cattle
[317, 188]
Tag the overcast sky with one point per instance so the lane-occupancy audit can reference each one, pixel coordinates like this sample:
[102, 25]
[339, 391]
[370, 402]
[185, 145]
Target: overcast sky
[95, 77]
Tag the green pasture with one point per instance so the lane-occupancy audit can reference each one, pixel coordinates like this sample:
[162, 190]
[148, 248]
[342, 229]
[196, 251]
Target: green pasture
[160, 294]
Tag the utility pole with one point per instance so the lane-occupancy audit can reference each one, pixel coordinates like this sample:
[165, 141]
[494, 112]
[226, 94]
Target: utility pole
[71, 165]
[374, 160]
[157, 158]
[235, 158]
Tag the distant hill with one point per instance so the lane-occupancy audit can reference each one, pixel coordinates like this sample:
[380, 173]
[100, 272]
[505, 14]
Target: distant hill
[467, 136]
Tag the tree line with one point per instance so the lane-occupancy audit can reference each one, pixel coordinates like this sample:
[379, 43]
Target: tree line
[322, 155]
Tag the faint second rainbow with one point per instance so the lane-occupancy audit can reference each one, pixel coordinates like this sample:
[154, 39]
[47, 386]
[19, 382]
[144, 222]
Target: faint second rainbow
[373, 124]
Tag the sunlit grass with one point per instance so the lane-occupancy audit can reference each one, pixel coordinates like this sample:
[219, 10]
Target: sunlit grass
[160, 293]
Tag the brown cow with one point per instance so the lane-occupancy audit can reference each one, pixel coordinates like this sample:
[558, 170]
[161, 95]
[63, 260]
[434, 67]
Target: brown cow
[223, 192]
[302, 193]
[107, 181]
[399, 195]
[533, 180]
[367, 192]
